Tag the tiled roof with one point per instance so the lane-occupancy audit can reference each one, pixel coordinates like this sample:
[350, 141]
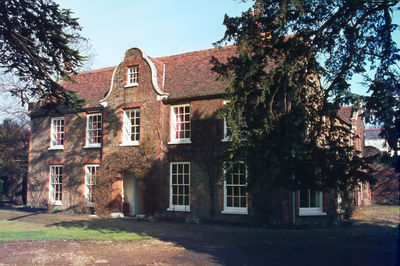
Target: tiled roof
[91, 85]
[186, 75]
[346, 112]
[372, 133]
[189, 74]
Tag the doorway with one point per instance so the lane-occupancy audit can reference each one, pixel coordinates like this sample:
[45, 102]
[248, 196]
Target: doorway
[129, 194]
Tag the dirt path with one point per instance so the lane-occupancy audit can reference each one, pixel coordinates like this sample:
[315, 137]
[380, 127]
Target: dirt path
[146, 252]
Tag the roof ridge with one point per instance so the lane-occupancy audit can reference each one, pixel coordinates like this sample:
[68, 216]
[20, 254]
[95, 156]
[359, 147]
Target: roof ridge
[96, 70]
[194, 52]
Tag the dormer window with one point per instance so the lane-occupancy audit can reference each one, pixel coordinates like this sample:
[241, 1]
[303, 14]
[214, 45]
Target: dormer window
[133, 76]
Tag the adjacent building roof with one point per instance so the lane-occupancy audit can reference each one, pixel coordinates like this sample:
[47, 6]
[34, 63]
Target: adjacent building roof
[372, 133]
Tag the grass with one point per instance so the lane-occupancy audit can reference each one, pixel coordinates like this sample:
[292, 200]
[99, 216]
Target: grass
[376, 214]
[15, 230]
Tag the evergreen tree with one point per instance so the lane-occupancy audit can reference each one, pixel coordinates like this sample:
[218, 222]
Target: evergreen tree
[288, 80]
[14, 142]
[36, 47]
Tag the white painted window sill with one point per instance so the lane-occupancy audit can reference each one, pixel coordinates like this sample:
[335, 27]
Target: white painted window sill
[312, 213]
[179, 209]
[240, 212]
[180, 141]
[55, 203]
[226, 140]
[129, 144]
[92, 146]
[56, 148]
[131, 85]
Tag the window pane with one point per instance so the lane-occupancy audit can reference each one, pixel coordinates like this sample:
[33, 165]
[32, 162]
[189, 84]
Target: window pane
[229, 202]
[180, 200]
[174, 168]
[242, 202]
[235, 202]
[229, 191]
[304, 195]
[186, 200]
[314, 199]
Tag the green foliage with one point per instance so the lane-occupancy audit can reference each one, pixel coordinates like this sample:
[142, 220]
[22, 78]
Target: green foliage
[288, 80]
[192, 219]
[14, 142]
[36, 46]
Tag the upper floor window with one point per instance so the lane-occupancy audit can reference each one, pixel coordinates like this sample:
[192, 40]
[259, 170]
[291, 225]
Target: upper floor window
[133, 75]
[90, 182]
[311, 202]
[180, 123]
[93, 130]
[179, 196]
[235, 188]
[55, 186]
[57, 133]
[131, 127]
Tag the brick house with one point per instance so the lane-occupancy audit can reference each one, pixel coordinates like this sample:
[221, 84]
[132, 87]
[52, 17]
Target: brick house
[353, 118]
[173, 101]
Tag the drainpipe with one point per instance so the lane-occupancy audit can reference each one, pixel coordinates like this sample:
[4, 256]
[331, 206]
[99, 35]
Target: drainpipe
[163, 79]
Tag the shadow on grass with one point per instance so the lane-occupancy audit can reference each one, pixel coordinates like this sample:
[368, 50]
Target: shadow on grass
[23, 210]
[350, 244]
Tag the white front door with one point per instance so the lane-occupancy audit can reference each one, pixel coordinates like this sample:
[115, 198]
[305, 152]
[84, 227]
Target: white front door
[129, 193]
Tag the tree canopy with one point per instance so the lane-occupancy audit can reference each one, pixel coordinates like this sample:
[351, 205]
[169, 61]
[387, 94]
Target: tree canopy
[36, 47]
[291, 75]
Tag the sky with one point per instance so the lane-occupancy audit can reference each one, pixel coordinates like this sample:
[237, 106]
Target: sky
[158, 27]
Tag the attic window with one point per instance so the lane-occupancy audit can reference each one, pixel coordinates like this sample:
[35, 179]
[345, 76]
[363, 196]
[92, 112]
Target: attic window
[133, 76]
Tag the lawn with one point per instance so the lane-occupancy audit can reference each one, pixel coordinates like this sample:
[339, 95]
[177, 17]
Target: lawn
[16, 230]
[370, 238]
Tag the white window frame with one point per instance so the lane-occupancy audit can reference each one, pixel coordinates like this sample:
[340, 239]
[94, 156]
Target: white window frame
[226, 136]
[312, 211]
[127, 127]
[89, 184]
[132, 76]
[173, 125]
[88, 144]
[53, 133]
[178, 207]
[52, 192]
[234, 210]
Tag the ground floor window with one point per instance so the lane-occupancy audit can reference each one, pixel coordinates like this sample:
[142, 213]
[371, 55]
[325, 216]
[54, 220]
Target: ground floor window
[179, 186]
[90, 182]
[55, 186]
[235, 188]
[311, 202]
